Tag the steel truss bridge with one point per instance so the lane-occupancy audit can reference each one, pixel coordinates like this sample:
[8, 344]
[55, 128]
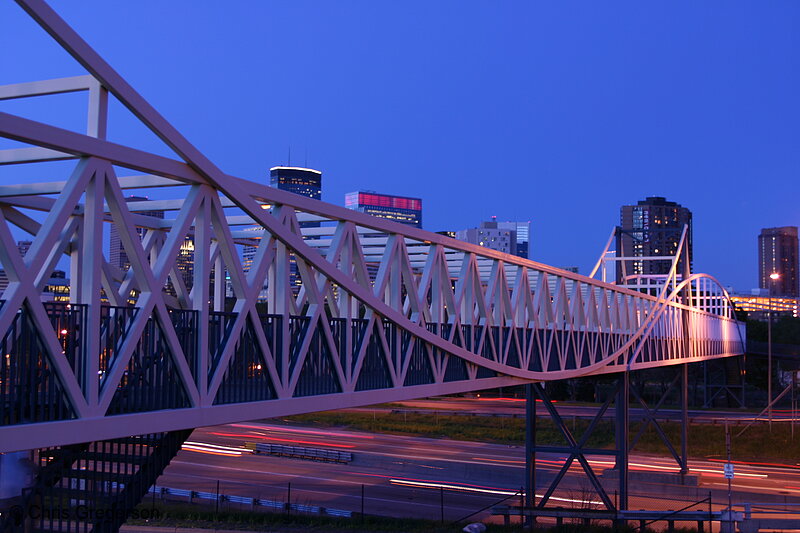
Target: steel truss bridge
[336, 309]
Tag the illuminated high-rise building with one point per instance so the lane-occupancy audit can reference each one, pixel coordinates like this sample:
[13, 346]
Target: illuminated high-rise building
[303, 181]
[298, 180]
[55, 290]
[507, 237]
[118, 257]
[522, 231]
[403, 209]
[778, 254]
[652, 228]
[116, 253]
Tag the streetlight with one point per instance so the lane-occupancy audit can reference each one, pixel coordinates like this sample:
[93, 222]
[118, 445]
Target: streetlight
[774, 277]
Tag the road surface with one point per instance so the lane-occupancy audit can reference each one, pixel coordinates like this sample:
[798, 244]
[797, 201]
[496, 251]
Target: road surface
[420, 477]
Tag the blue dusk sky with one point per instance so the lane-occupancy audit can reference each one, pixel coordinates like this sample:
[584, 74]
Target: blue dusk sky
[553, 112]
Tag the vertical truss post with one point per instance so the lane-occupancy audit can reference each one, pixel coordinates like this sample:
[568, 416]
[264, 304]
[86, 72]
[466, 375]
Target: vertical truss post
[684, 419]
[200, 294]
[621, 432]
[530, 446]
[219, 284]
[89, 283]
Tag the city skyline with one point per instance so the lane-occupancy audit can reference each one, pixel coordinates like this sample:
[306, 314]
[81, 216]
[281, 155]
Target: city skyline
[588, 103]
[119, 384]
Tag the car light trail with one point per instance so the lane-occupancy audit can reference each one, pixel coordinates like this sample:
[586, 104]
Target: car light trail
[674, 469]
[263, 436]
[311, 442]
[752, 463]
[501, 460]
[721, 473]
[508, 400]
[461, 488]
[308, 431]
[481, 490]
[213, 449]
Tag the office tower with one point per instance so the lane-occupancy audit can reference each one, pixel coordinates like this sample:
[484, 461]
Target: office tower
[249, 250]
[185, 263]
[185, 258]
[777, 254]
[55, 290]
[303, 181]
[396, 208]
[500, 236]
[651, 228]
[116, 253]
[759, 305]
[522, 231]
[23, 247]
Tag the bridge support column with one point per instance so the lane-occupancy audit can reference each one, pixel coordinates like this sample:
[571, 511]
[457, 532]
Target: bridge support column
[684, 419]
[724, 378]
[649, 416]
[621, 432]
[575, 448]
[530, 447]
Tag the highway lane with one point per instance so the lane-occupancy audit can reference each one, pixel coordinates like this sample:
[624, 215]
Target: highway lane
[395, 472]
[398, 471]
[515, 407]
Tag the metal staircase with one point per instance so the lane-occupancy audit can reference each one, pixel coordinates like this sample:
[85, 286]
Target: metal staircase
[92, 487]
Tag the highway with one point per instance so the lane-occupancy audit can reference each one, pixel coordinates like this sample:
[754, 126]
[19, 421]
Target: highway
[515, 407]
[418, 477]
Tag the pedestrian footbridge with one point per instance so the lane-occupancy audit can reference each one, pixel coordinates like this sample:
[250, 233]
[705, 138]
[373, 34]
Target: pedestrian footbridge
[333, 308]
[105, 376]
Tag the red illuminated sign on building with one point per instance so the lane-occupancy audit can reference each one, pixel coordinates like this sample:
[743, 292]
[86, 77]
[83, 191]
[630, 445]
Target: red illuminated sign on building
[396, 202]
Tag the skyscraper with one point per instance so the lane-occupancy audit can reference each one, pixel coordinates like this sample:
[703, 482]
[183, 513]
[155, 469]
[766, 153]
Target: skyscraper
[116, 253]
[523, 235]
[778, 253]
[401, 209]
[507, 237]
[298, 180]
[651, 228]
[57, 287]
[303, 181]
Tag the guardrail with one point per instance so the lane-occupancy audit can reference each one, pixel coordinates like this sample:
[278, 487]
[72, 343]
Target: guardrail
[192, 495]
[300, 452]
[758, 516]
[589, 515]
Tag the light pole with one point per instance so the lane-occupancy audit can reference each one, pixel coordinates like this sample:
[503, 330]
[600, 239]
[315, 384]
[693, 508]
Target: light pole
[773, 278]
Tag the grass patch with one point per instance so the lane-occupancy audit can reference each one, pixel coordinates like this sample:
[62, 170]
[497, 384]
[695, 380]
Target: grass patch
[705, 440]
[203, 516]
[185, 515]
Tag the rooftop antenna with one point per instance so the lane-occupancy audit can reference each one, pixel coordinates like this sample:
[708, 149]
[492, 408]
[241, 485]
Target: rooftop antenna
[289, 162]
[306, 163]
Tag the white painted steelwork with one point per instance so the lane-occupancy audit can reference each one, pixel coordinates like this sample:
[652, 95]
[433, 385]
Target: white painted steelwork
[384, 312]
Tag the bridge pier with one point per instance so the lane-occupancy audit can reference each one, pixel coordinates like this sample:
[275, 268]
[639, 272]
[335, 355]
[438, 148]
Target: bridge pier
[725, 379]
[576, 447]
[530, 446]
[621, 427]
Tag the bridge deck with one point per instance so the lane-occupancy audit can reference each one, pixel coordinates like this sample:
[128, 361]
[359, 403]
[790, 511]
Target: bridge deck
[327, 308]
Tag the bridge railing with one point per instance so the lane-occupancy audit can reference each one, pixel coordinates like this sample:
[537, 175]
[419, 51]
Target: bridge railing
[226, 299]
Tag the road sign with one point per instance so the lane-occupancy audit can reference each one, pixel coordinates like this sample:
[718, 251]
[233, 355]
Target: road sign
[728, 470]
